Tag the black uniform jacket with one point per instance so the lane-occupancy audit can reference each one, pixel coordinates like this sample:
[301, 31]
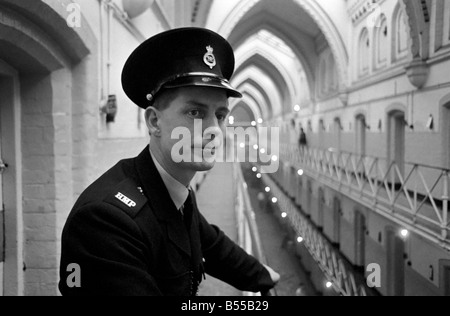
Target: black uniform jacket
[128, 238]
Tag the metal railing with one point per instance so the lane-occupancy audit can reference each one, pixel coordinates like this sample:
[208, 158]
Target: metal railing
[413, 195]
[329, 260]
[248, 234]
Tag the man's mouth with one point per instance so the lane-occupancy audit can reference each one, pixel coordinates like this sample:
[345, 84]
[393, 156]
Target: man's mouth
[210, 149]
[205, 147]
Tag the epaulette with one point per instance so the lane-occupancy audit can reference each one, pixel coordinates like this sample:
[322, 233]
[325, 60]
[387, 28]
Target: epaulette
[128, 197]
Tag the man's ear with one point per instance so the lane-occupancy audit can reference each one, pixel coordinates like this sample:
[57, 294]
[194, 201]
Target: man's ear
[153, 121]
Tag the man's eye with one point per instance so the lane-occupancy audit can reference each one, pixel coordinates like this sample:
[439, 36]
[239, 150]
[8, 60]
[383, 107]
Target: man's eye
[221, 117]
[195, 113]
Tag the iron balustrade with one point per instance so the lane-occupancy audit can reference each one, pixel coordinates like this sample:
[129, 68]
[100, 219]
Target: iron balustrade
[248, 234]
[329, 260]
[415, 196]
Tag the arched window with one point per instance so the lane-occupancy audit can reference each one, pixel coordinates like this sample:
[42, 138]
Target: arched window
[364, 53]
[442, 34]
[400, 35]
[337, 130]
[382, 43]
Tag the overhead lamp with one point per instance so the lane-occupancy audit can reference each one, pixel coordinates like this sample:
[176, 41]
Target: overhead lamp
[404, 233]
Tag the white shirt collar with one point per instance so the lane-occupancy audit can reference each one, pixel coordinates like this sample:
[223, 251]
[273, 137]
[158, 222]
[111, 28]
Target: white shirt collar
[177, 191]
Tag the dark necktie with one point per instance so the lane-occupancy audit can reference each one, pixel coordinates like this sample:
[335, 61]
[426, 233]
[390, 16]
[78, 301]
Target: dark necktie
[187, 210]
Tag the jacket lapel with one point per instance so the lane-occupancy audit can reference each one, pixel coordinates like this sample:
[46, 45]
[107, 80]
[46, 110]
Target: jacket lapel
[160, 201]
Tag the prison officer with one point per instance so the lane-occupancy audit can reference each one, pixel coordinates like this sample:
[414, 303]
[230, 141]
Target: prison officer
[137, 229]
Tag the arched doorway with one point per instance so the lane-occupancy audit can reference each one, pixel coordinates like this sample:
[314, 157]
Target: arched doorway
[395, 263]
[309, 194]
[360, 132]
[360, 239]
[446, 134]
[40, 111]
[396, 140]
[337, 210]
[444, 272]
[321, 209]
[321, 134]
[337, 130]
[11, 244]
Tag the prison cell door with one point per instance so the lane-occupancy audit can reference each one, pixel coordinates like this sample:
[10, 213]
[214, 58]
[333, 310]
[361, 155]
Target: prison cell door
[361, 135]
[395, 253]
[447, 281]
[2, 212]
[360, 239]
[397, 144]
[446, 129]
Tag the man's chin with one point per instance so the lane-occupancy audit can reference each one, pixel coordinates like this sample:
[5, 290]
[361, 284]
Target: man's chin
[201, 166]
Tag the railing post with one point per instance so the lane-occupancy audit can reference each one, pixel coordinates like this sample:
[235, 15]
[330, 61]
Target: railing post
[415, 194]
[445, 199]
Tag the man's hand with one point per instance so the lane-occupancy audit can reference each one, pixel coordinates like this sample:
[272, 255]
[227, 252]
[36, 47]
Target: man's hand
[274, 275]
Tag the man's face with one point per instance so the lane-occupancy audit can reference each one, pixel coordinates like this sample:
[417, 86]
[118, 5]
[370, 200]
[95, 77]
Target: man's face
[193, 105]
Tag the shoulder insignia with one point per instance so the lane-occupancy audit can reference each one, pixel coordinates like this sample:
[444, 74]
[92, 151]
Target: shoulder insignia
[128, 197]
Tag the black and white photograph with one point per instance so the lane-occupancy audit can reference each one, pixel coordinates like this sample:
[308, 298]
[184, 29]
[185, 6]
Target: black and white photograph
[224, 153]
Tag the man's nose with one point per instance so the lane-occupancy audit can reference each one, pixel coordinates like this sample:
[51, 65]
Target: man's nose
[211, 128]
[212, 133]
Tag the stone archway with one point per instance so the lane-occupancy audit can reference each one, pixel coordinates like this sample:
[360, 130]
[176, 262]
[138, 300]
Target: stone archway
[418, 23]
[281, 77]
[317, 13]
[418, 17]
[254, 89]
[54, 92]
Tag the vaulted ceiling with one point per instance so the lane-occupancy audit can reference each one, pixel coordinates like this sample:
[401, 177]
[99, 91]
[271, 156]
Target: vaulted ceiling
[277, 44]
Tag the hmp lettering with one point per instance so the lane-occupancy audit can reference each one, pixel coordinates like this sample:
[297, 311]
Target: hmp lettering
[191, 306]
[122, 198]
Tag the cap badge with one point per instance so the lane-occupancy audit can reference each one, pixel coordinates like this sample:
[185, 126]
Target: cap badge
[209, 58]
